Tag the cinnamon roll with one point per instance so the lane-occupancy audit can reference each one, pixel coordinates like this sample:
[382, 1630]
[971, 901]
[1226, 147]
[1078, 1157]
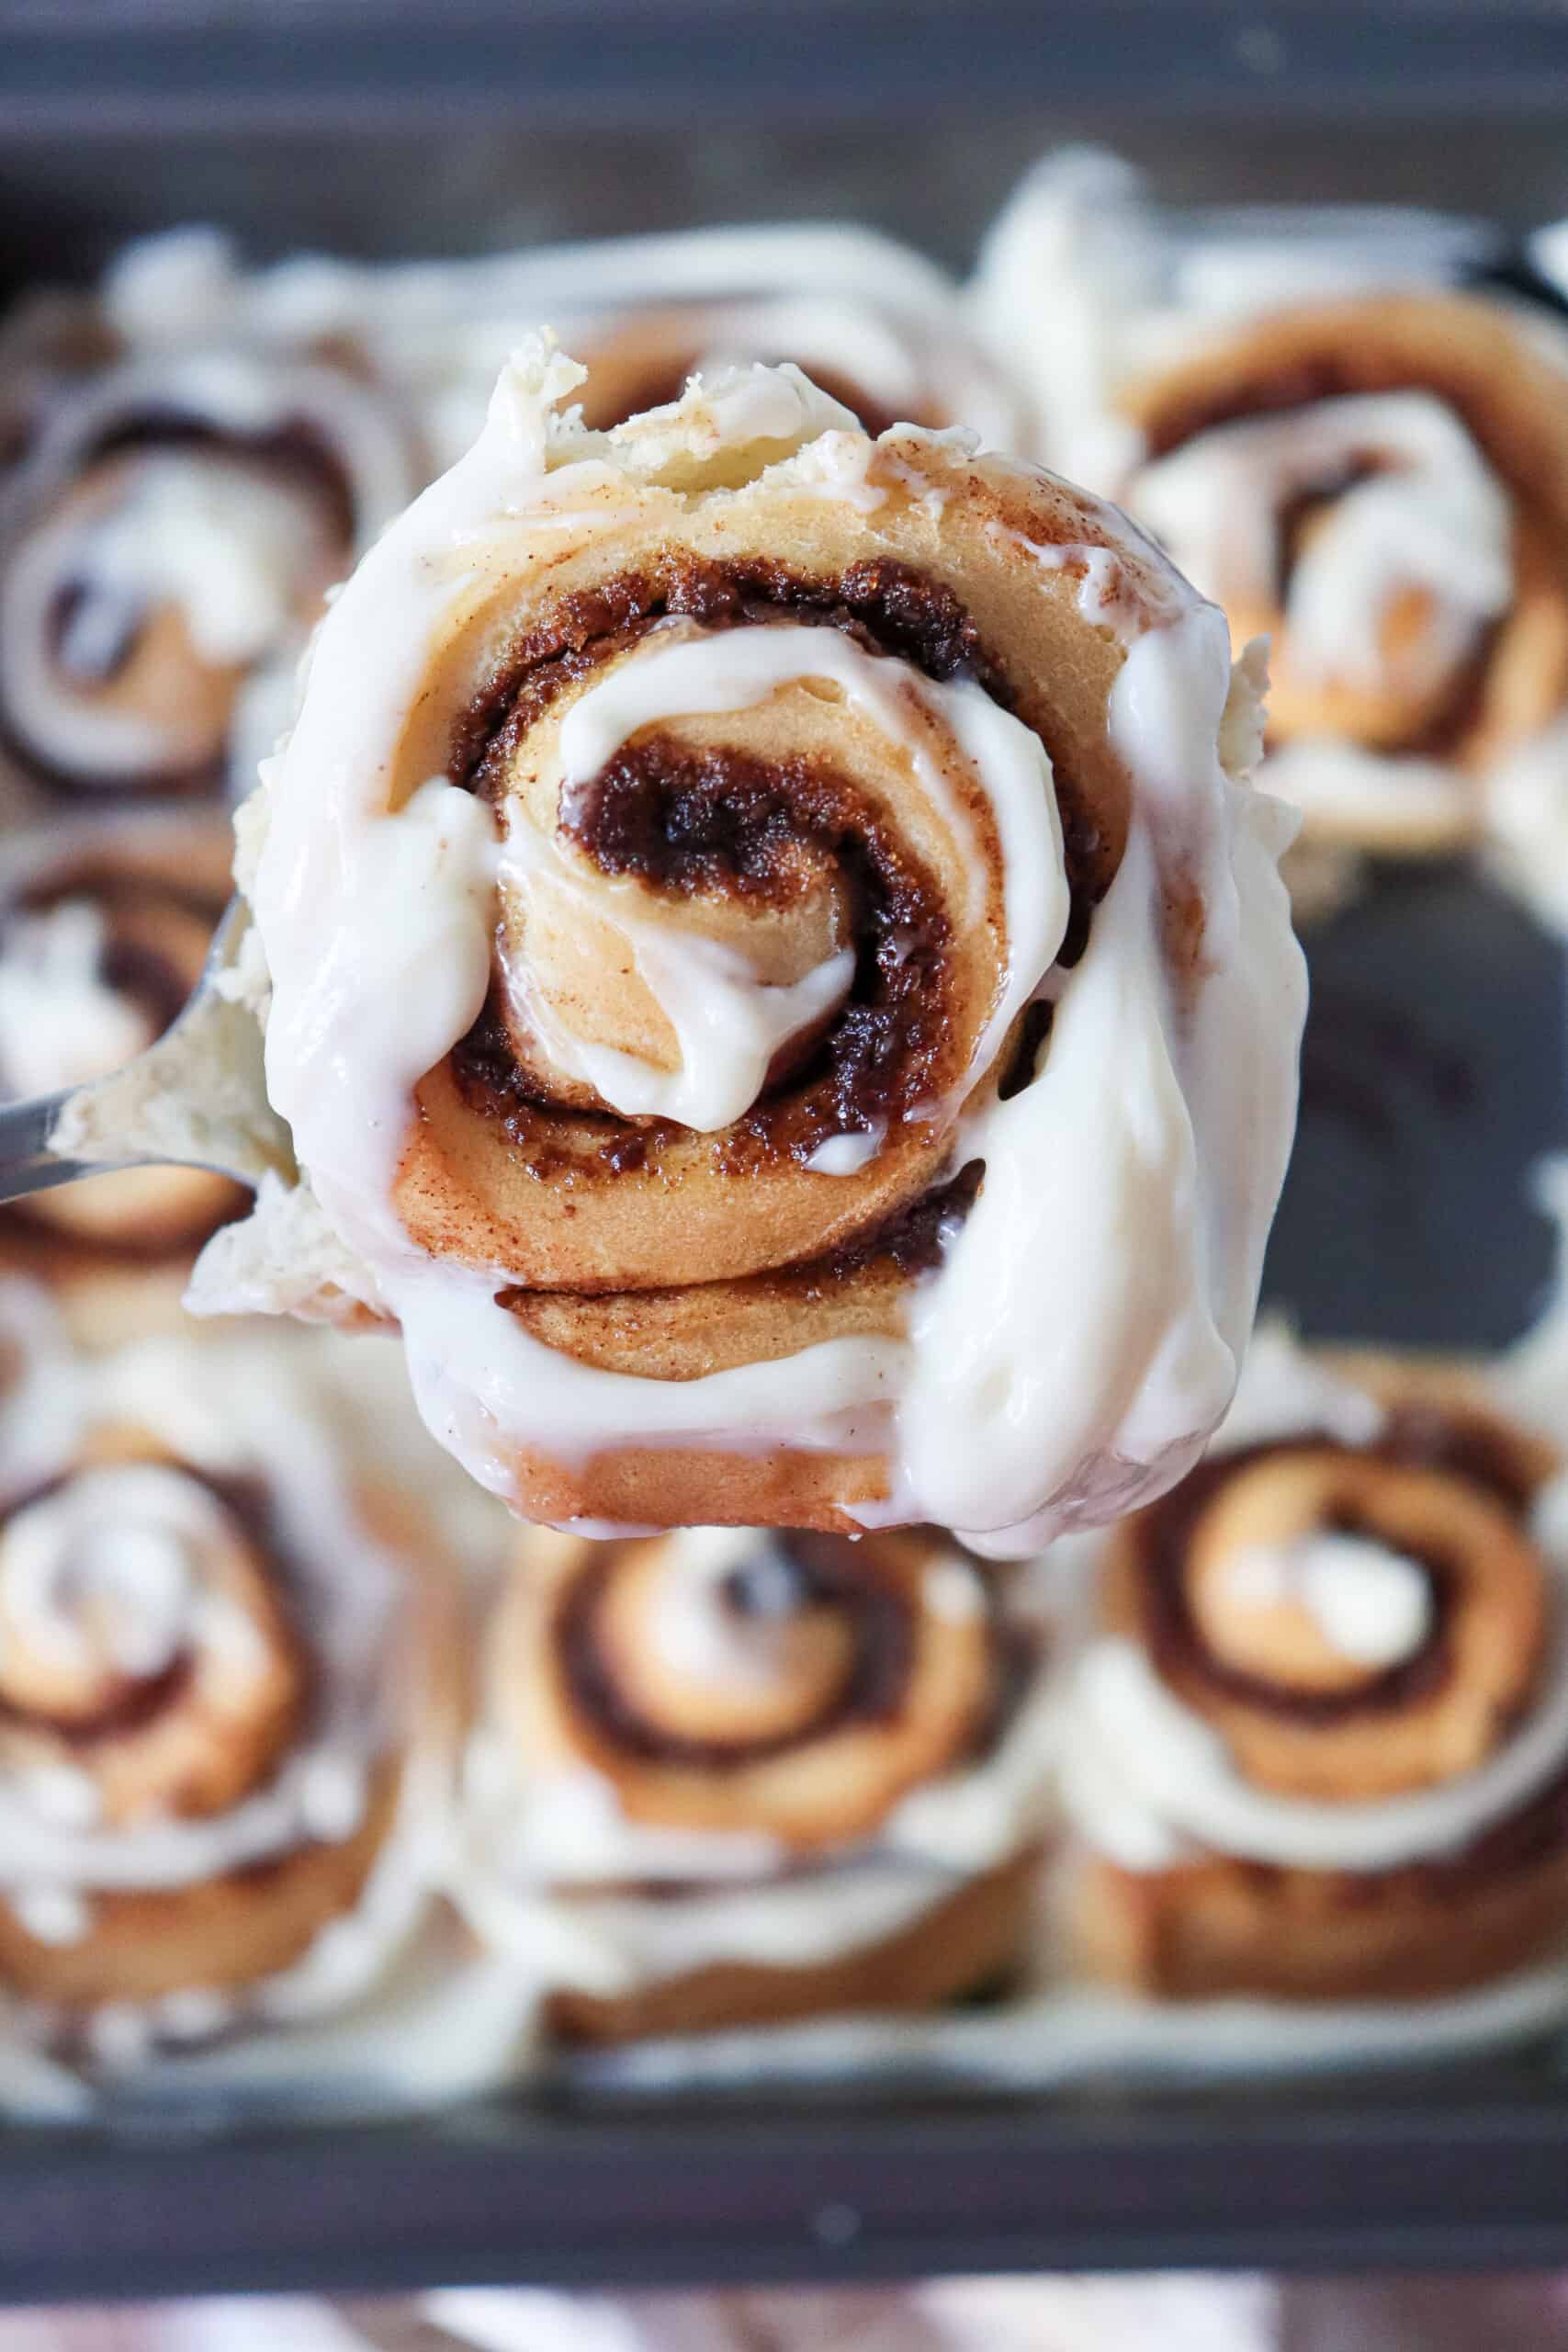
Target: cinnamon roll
[872, 325]
[228, 1690]
[876, 325]
[1318, 1747]
[1348, 451]
[723, 1777]
[164, 547]
[779, 914]
[104, 930]
[1383, 484]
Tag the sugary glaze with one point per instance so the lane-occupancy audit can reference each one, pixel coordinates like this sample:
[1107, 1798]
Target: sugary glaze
[164, 545]
[725, 1774]
[754, 796]
[1348, 454]
[104, 930]
[1318, 1744]
[227, 1698]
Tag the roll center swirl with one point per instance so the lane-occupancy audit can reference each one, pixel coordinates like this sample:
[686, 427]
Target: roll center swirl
[140, 1632]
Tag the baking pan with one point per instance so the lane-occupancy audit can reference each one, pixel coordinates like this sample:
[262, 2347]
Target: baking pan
[1434, 1079]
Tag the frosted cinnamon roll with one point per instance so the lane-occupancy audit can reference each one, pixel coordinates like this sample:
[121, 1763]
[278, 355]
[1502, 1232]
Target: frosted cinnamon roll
[164, 547]
[1348, 452]
[778, 911]
[227, 1690]
[104, 930]
[1317, 1747]
[725, 1777]
[873, 323]
[870, 323]
[1382, 485]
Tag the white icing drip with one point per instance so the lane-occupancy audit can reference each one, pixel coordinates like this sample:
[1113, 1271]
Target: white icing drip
[1435, 519]
[53, 1915]
[1371, 1605]
[846, 1155]
[1174, 1167]
[1135, 1380]
[1145, 1776]
[728, 1023]
[61, 1023]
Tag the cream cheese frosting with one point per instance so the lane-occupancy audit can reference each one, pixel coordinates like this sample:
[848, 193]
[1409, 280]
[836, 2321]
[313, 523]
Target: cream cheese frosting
[1190, 1141]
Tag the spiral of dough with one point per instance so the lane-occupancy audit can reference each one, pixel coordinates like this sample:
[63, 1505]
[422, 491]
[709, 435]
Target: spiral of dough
[793, 1687]
[740, 847]
[164, 545]
[1381, 486]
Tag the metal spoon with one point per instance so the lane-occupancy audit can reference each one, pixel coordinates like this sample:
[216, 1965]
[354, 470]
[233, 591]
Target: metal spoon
[148, 1113]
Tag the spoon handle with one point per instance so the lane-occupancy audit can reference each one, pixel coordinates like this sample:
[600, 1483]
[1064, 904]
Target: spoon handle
[27, 1164]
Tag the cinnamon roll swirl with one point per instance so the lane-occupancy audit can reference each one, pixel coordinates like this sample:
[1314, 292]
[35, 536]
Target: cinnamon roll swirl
[1382, 485]
[1349, 452]
[1318, 1748]
[720, 863]
[872, 325]
[164, 547]
[723, 1777]
[104, 930]
[876, 325]
[227, 1693]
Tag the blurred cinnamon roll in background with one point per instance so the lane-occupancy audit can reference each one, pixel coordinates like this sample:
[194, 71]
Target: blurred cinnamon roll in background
[1316, 1745]
[165, 542]
[875, 323]
[103, 929]
[1347, 450]
[229, 1686]
[727, 1778]
[778, 908]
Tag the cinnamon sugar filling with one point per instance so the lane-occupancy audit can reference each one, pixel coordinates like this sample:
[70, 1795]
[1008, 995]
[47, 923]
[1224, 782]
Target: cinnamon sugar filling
[720, 819]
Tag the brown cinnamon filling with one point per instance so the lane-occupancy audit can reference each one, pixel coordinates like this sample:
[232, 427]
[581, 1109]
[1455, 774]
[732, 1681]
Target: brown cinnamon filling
[1162, 1534]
